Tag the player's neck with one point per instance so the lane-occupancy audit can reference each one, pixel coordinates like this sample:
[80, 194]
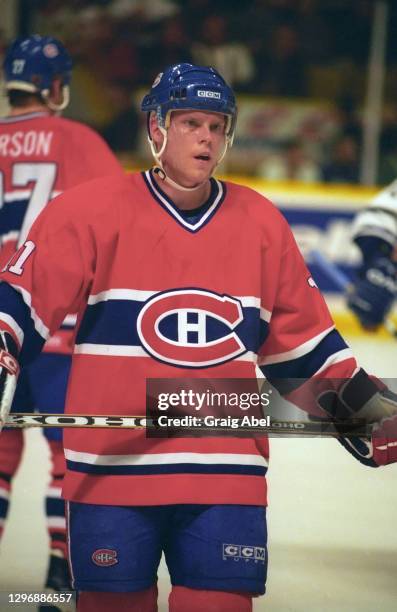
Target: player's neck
[185, 200]
[26, 110]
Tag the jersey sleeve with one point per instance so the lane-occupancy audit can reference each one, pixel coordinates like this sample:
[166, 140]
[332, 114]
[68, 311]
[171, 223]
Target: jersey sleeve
[49, 276]
[302, 340]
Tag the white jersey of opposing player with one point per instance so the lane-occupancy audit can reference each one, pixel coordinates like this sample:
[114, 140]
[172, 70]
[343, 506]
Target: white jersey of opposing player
[380, 218]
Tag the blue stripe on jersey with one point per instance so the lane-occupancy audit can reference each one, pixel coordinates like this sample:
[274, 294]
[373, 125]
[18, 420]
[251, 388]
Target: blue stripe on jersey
[178, 468]
[4, 505]
[110, 322]
[13, 305]
[113, 322]
[253, 330]
[12, 215]
[304, 367]
[55, 506]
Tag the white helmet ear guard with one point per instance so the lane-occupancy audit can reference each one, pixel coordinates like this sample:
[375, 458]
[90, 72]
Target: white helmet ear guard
[157, 154]
[63, 104]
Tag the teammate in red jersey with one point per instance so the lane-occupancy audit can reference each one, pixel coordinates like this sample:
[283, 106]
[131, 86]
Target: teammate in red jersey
[41, 155]
[173, 274]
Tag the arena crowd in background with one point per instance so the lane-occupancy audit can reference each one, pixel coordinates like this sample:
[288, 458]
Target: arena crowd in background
[292, 49]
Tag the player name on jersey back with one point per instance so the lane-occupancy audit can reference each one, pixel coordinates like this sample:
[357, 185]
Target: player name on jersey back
[26, 143]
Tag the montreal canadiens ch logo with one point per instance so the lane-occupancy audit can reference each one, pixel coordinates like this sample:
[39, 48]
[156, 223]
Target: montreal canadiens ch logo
[177, 327]
[104, 557]
[50, 50]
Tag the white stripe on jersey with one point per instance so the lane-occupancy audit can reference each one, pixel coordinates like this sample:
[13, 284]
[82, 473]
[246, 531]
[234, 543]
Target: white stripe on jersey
[56, 522]
[296, 352]
[4, 494]
[254, 302]
[38, 323]
[266, 315]
[70, 319]
[111, 350]
[9, 237]
[166, 458]
[116, 350]
[121, 294]
[54, 492]
[248, 356]
[18, 331]
[67, 514]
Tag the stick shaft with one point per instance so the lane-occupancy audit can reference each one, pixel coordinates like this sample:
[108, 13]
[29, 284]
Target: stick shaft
[303, 428]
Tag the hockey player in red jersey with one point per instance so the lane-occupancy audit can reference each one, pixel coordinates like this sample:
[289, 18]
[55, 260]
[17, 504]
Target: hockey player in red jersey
[41, 155]
[173, 274]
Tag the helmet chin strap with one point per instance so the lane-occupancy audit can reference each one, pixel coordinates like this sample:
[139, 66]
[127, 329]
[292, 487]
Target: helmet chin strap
[160, 172]
[159, 169]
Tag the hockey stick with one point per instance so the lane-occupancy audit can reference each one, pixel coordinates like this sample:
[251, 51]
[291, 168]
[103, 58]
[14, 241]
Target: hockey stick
[342, 281]
[308, 428]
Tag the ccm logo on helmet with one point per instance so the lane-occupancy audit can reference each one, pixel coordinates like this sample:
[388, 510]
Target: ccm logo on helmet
[209, 94]
[104, 557]
[174, 327]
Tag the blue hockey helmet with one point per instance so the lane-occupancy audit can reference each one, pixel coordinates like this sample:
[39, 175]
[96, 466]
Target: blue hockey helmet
[189, 87]
[32, 63]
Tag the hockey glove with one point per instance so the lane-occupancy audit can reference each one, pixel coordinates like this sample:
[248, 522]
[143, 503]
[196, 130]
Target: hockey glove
[361, 398]
[372, 295]
[9, 370]
[379, 449]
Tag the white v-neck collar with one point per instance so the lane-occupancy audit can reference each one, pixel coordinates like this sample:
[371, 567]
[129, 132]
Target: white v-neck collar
[217, 196]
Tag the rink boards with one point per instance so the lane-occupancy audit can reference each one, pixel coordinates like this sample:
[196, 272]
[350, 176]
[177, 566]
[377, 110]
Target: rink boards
[321, 218]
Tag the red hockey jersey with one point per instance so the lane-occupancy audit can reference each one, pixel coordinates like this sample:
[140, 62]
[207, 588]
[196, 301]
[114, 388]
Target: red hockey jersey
[42, 155]
[142, 277]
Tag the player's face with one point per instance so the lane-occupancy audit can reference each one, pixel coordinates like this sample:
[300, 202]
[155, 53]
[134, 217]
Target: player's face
[194, 145]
